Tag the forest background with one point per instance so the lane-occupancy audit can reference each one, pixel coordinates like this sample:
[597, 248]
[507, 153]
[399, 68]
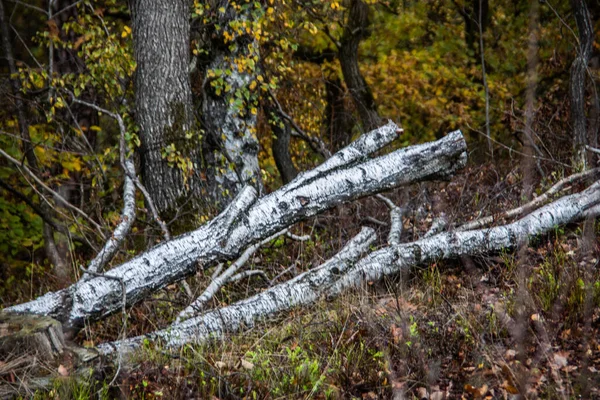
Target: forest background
[306, 78]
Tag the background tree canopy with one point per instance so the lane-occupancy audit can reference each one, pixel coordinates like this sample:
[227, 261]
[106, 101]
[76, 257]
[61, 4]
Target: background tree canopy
[190, 102]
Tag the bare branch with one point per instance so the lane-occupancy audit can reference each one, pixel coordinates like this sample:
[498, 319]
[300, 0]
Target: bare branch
[438, 225]
[246, 274]
[217, 283]
[316, 144]
[303, 289]
[347, 175]
[396, 214]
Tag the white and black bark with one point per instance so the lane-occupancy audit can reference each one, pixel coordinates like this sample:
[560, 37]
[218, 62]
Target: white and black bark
[163, 98]
[343, 272]
[301, 290]
[450, 245]
[229, 106]
[346, 176]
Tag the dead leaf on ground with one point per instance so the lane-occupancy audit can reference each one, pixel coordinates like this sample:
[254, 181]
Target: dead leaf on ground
[62, 371]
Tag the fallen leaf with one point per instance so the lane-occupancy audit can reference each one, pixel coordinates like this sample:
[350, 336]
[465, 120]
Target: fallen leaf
[559, 360]
[509, 388]
[62, 371]
[477, 392]
[422, 393]
[247, 364]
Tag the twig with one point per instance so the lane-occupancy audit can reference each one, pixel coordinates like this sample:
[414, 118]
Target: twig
[133, 177]
[592, 149]
[438, 225]
[303, 238]
[285, 271]
[246, 274]
[375, 221]
[217, 271]
[315, 143]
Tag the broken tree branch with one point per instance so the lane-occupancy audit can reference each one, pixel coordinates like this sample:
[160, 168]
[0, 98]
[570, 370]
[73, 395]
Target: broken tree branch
[113, 243]
[396, 214]
[217, 283]
[447, 245]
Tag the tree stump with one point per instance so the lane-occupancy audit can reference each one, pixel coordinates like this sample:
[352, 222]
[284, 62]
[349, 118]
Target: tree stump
[30, 335]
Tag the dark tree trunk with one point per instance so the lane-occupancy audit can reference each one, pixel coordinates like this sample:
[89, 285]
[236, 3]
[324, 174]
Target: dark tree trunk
[355, 30]
[164, 109]
[281, 146]
[338, 119]
[578, 75]
[470, 14]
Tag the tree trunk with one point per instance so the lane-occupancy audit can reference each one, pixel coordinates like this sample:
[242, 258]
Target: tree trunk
[355, 30]
[348, 175]
[281, 146]
[170, 150]
[578, 78]
[338, 119]
[230, 107]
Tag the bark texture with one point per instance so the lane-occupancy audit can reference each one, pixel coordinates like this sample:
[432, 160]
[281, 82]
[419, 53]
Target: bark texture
[355, 30]
[228, 112]
[338, 118]
[304, 289]
[164, 109]
[281, 146]
[578, 78]
[348, 175]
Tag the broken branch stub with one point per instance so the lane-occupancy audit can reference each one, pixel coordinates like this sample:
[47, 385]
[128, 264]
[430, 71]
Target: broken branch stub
[348, 175]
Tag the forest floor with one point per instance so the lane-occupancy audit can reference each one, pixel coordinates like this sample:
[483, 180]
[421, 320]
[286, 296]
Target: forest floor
[524, 323]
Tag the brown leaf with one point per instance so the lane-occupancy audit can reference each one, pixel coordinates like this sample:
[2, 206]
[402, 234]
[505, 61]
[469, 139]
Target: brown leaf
[477, 392]
[509, 388]
[53, 29]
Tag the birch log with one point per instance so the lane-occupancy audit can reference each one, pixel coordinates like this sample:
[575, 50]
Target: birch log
[348, 175]
[341, 273]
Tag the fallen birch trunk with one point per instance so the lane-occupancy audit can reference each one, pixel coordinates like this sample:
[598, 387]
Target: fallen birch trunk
[449, 245]
[341, 273]
[346, 176]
